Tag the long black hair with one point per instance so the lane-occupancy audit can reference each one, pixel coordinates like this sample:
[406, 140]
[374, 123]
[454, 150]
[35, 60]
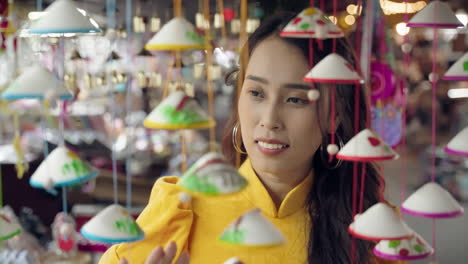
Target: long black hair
[330, 198]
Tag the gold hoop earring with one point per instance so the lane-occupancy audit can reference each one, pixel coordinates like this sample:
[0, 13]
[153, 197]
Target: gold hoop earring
[234, 139]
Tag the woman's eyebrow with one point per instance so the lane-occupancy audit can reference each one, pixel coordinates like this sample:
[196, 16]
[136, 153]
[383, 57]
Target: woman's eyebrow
[257, 79]
[296, 86]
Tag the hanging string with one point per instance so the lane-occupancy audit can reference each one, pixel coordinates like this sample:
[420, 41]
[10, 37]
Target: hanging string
[177, 8]
[168, 79]
[209, 83]
[114, 137]
[363, 183]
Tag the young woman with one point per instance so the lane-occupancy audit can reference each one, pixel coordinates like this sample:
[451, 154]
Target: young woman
[282, 138]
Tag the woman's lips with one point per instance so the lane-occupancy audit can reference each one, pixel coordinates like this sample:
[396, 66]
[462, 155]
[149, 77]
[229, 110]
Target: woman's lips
[271, 147]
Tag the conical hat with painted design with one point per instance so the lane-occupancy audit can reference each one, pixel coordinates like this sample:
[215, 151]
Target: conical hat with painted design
[459, 144]
[407, 249]
[432, 201]
[252, 229]
[177, 34]
[311, 23]
[212, 175]
[36, 82]
[436, 14]
[8, 228]
[366, 146]
[459, 70]
[333, 69]
[62, 168]
[112, 225]
[62, 17]
[178, 111]
[379, 222]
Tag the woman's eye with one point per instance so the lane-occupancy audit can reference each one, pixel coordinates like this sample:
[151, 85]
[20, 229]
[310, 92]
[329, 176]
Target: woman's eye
[296, 100]
[255, 93]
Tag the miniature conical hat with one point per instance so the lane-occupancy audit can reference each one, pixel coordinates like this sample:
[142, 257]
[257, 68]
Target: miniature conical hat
[112, 225]
[311, 23]
[64, 168]
[333, 69]
[432, 201]
[36, 82]
[177, 34]
[459, 70]
[233, 260]
[435, 14]
[379, 222]
[178, 111]
[8, 228]
[404, 249]
[252, 229]
[212, 175]
[61, 17]
[366, 146]
[459, 144]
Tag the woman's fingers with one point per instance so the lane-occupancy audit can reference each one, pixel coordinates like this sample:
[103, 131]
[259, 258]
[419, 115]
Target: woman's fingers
[156, 256]
[183, 259]
[169, 253]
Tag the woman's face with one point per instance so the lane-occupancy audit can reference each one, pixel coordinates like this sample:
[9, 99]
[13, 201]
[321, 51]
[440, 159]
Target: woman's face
[279, 125]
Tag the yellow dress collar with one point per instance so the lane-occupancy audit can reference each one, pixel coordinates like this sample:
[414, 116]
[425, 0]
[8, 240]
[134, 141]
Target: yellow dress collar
[257, 194]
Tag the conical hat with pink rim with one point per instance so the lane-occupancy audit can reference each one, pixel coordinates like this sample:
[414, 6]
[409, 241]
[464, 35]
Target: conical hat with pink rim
[178, 111]
[436, 14]
[432, 201]
[311, 23]
[407, 249]
[459, 70]
[333, 69]
[379, 222]
[459, 144]
[366, 146]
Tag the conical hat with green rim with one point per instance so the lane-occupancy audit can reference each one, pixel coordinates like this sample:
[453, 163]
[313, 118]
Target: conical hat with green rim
[178, 111]
[8, 228]
[112, 225]
[212, 175]
[177, 34]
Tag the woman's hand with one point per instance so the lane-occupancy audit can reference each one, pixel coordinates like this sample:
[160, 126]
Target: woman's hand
[164, 256]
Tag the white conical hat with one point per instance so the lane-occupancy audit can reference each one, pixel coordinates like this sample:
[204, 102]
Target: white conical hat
[333, 69]
[459, 70]
[62, 168]
[252, 229]
[112, 225]
[177, 34]
[432, 201]
[61, 17]
[8, 227]
[233, 260]
[178, 111]
[379, 222]
[366, 146]
[404, 249]
[36, 82]
[459, 144]
[212, 175]
[435, 14]
[311, 23]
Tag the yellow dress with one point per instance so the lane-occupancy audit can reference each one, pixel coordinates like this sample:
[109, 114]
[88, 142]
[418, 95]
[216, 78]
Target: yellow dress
[197, 226]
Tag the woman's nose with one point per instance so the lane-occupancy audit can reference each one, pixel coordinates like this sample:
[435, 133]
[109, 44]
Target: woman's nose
[271, 118]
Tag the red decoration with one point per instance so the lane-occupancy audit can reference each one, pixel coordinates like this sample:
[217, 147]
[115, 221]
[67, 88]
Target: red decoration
[320, 22]
[297, 20]
[229, 14]
[65, 244]
[404, 252]
[374, 141]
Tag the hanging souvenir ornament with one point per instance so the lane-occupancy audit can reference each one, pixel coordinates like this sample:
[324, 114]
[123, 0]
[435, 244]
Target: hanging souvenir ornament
[432, 201]
[62, 168]
[36, 82]
[212, 175]
[437, 15]
[178, 111]
[63, 17]
[382, 82]
[177, 34]
[459, 144]
[387, 121]
[112, 225]
[379, 222]
[8, 228]
[459, 70]
[333, 69]
[311, 23]
[366, 146]
[252, 229]
[407, 249]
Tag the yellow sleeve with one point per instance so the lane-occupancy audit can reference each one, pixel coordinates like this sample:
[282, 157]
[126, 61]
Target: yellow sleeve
[164, 219]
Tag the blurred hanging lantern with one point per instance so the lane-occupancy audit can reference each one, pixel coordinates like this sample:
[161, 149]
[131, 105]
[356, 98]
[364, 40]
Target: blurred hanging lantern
[155, 24]
[138, 24]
